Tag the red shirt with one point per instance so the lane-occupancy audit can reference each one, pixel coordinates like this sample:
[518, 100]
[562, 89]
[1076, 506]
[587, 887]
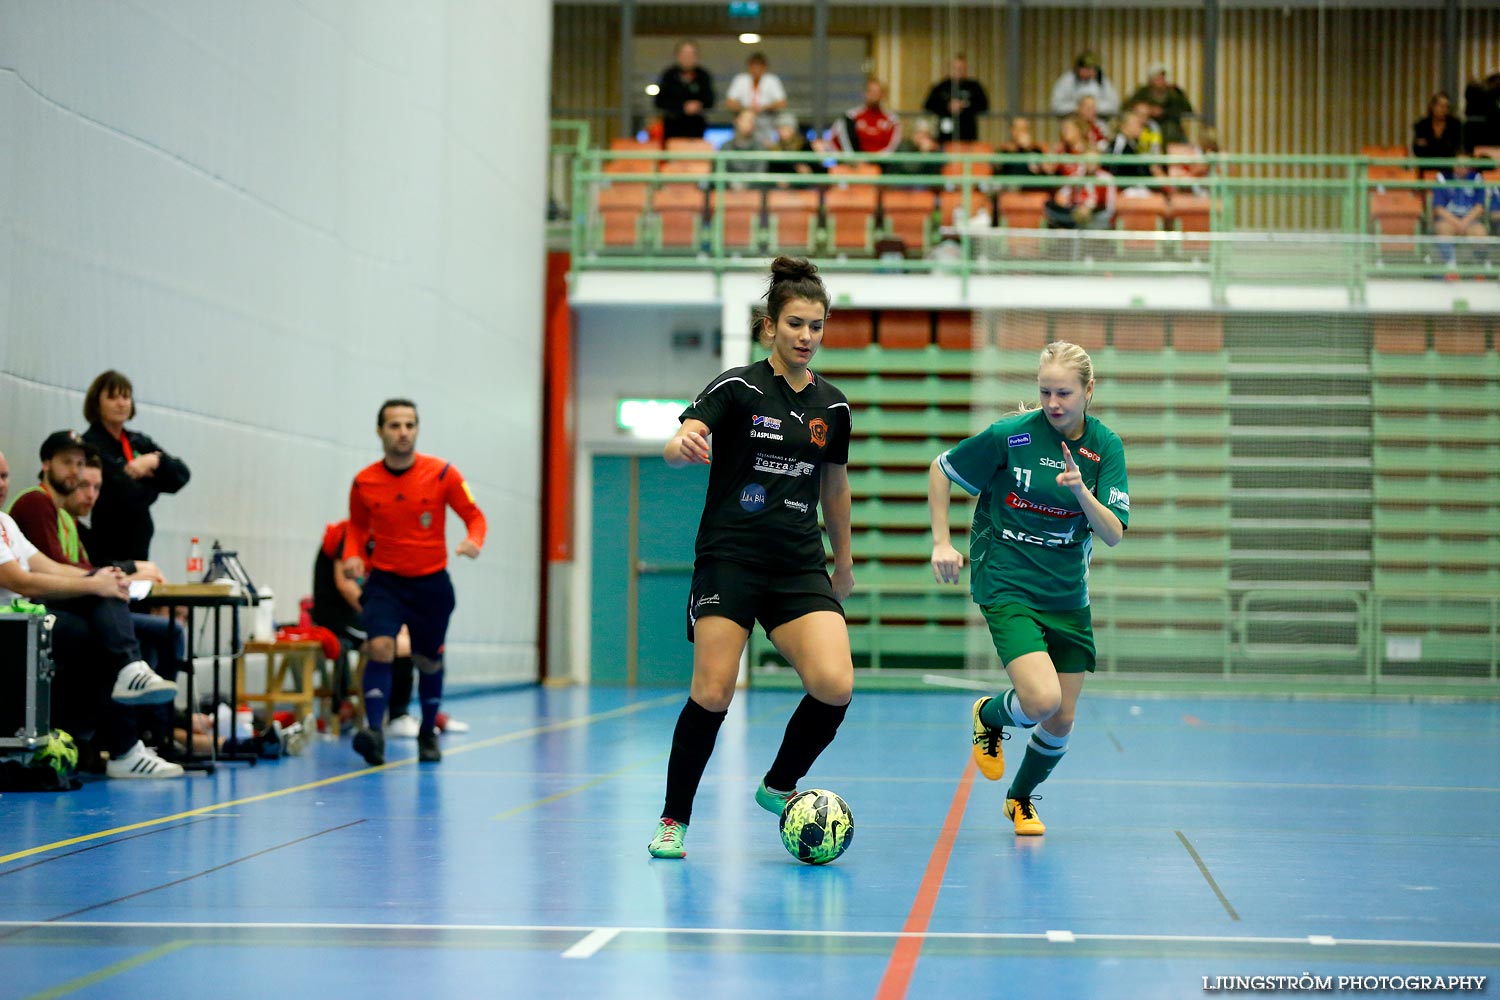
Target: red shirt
[405, 514]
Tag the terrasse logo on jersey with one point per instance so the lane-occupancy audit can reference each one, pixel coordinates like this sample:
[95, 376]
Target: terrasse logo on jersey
[1021, 503]
[769, 423]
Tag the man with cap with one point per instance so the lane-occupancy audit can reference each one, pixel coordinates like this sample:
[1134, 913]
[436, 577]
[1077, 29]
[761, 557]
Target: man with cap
[1169, 104]
[93, 639]
[1085, 79]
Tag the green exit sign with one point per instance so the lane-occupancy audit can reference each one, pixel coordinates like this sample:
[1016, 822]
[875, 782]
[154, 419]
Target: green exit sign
[744, 8]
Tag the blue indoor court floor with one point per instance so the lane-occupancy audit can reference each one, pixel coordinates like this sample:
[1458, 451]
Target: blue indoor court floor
[1187, 838]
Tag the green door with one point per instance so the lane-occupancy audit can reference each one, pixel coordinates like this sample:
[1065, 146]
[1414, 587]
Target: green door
[645, 522]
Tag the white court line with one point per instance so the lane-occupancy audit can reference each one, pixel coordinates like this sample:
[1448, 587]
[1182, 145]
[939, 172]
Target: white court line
[1061, 937]
[595, 940]
[1326, 940]
[189, 925]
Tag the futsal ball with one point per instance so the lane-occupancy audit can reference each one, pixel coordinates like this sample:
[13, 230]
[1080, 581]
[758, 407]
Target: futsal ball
[59, 753]
[816, 826]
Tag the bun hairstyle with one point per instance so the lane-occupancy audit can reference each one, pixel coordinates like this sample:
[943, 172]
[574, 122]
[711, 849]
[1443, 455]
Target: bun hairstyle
[791, 278]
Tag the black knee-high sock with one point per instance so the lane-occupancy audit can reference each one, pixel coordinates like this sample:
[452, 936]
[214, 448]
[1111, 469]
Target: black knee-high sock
[692, 745]
[808, 733]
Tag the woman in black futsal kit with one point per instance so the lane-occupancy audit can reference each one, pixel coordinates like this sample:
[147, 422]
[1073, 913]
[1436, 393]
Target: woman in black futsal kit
[780, 447]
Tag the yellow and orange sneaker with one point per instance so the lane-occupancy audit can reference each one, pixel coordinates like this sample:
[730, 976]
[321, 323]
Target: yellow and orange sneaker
[1023, 813]
[987, 752]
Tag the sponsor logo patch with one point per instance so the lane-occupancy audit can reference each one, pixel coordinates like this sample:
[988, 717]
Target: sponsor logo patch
[1016, 440]
[770, 423]
[818, 428]
[753, 498]
[1089, 455]
[778, 466]
[796, 505]
[426, 519]
[707, 600]
[1118, 498]
[1021, 503]
[1051, 463]
[770, 435]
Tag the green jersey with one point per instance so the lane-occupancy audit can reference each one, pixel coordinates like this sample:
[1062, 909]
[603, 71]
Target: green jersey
[1030, 542]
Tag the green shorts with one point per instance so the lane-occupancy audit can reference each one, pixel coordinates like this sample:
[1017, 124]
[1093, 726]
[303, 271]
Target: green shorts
[1066, 636]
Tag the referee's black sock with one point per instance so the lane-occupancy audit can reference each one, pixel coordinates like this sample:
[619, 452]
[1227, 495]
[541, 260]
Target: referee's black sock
[692, 745]
[808, 733]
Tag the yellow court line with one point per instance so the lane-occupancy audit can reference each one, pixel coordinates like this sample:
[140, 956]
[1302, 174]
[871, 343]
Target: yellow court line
[507, 814]
[109, 971]
[323, 782]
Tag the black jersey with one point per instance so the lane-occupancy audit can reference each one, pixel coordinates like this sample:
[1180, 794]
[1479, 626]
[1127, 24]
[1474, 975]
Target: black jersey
[769, 445]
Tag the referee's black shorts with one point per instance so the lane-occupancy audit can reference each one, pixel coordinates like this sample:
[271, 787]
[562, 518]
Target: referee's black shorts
[424, 604]
[746, 595]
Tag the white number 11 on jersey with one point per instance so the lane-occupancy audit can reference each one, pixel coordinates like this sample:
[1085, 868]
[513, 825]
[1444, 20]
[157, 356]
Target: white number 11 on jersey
[1023, 479]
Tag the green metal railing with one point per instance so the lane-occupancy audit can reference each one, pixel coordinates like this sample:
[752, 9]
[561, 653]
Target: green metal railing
[1337, 244]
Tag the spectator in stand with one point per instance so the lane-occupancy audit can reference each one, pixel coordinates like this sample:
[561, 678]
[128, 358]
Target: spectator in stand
[136, 472]
[921, 140]
[1439, 135]
[1459, 207]
[1022, 141]
[683, 92]
[791, 139]
[868, 128]
[956, 102]
[1168, 103]
[1127, 143]
[1081, 205]
[746, 139]
[758, 91]
[1482, 111]
[1095, 132]
[1084, 79]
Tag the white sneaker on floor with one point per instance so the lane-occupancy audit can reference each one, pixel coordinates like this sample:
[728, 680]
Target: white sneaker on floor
[138, 684]
[446, 724]
[140, 761]
[403, 727]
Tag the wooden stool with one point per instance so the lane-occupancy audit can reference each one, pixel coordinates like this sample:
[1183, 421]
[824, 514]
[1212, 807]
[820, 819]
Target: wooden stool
[299, 660]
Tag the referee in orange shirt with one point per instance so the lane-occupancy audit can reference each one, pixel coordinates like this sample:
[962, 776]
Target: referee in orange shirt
[401, 503]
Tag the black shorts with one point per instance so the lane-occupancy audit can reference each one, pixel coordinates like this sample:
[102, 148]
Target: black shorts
[744, 595]
[422, 603]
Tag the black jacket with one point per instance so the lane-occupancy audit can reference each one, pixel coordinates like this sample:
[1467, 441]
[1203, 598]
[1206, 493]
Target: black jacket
[965, 127]
[673, 92]
[122, 520]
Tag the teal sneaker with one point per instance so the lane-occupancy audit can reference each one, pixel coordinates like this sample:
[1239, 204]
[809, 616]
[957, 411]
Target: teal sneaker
[773, 801]
[668, 840]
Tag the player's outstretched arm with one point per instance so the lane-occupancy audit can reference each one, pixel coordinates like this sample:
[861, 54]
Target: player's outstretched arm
[689, 446]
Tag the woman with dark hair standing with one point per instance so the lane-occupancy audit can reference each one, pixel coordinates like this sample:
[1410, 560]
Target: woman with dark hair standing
[780, 447]
[136, 472]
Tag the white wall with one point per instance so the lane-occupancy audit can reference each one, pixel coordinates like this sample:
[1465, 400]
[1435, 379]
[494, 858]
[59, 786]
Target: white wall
[271, 216]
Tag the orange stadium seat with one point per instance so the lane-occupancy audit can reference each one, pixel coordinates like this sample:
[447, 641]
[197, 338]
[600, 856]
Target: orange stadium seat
[1458, 335]
[794, 217]
[1144, 212]
[1400, 334]
[1192, 214]
[1021, 331]
[976, 168]
[742, 213]
[1140, 333]
[1084, 329]
[950, 201]
[620, 210]
[679, 214]
[907, 214]
[959, 330]
[849, 328]
[905, 329]
[630, 166]
[850, 212]
[1198, 332]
